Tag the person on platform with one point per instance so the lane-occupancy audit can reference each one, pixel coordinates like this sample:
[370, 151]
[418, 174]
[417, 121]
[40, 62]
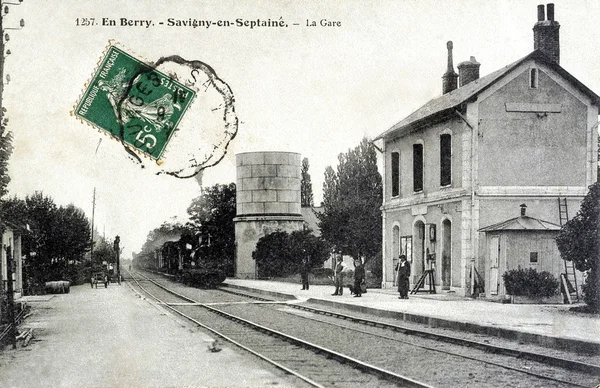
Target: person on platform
[359, 277]
[305, 271]
[338, 272]
[403, 276]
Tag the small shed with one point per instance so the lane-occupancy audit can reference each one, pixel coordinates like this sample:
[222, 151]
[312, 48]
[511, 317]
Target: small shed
[520, 242]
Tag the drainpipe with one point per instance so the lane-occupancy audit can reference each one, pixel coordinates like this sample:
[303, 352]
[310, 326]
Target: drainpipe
[383, 215]
[472, 157]
[594, 155]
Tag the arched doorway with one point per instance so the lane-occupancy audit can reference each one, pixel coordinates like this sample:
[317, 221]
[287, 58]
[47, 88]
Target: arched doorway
[418, 264]
[446, 254]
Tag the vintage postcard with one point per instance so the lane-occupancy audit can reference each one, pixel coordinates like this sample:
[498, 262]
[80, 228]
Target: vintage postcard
[431, 151]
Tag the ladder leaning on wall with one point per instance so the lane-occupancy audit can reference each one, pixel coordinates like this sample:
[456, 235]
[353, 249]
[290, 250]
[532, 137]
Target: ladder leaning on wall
[568, 279]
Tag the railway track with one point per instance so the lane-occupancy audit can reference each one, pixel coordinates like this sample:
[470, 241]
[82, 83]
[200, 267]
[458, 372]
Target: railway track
[438, 359]
[315, 365]
[545, 358]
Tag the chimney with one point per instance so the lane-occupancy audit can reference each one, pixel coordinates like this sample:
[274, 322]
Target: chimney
[545, 33]
[449, 79]
[468, 71]
[523, 209]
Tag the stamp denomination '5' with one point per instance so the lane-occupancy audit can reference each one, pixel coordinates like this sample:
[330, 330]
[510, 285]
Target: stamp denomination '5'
[134, 102]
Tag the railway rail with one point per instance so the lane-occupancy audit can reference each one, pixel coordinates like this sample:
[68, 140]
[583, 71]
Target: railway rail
[424, 347]
[313, 364]
[568, 364]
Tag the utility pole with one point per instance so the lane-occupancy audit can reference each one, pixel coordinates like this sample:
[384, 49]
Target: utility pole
[2, 53]
[92, 234]
[10, 294]
[596, 270]
[118, 253]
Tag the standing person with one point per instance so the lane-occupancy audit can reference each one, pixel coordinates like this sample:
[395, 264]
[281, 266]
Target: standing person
[338, 271]
[403, 275]
[359, 277]
[305, 271]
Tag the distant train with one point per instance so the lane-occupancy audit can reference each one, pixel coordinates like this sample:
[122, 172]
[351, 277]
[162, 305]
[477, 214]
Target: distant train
[190, 260]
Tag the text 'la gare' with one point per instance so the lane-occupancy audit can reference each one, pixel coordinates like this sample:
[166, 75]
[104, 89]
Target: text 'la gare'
[323, 23]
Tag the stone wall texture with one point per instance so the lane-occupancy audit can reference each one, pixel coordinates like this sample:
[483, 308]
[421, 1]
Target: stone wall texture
[268, 183]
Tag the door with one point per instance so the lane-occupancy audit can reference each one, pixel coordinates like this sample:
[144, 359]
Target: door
[494, 261]
[418, 264]
[446, 254]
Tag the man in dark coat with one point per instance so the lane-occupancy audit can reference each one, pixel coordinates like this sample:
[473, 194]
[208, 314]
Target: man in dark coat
[403, 276]
[359, 277]
[305, 271]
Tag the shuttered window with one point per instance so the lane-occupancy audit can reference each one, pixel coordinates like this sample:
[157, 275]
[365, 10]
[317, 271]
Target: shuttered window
[395, 174]
[533, 78]
[445, 160]
[417, 167]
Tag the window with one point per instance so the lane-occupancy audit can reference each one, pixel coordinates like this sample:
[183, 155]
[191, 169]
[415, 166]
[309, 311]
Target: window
[533, 257]
[533, 78]
[417, 167]
[395, 174]
[406, 247]
[445, 160]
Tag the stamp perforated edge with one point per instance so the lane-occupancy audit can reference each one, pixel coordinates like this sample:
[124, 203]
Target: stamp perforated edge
[159, 161]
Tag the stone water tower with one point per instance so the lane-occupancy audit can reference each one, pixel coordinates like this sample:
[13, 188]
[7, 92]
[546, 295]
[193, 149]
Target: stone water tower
[267, 200]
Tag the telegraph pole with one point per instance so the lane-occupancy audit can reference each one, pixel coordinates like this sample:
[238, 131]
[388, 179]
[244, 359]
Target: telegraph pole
[596, 269]
[92, 233]
[118, 253]
[3, 54]
[10, 292]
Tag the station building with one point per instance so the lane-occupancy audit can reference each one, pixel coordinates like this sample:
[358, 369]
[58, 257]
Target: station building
[458, 169]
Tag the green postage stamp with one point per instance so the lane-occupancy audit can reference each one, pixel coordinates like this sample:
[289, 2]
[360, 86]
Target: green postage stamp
[134, 102]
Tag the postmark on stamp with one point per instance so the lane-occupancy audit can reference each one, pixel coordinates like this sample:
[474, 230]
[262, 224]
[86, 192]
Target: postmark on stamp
[134, 102]
[177, 113]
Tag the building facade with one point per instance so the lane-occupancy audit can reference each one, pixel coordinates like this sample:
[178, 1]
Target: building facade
[524, 134]
[11, 245]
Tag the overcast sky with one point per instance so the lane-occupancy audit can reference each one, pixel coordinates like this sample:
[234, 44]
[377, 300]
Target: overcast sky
[313, 90]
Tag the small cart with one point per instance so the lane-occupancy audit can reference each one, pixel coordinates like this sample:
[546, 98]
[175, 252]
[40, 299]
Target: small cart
[99, 277]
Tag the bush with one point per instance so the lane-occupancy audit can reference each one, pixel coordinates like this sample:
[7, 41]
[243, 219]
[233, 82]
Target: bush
[529, 282]
[272, 255]
[577, 241]
[322, 272]
[280, 254]
[375, 265]
[591, 294]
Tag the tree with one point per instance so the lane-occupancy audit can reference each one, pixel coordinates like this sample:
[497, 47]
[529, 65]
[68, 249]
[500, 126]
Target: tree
[72, 231]
[280, 254]
[59, 236]
[306, 193]
[272, 255]
[103, 252]
[578, 242]
[6, 149]
[351, 219]
[303, 243]
[211, 216]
